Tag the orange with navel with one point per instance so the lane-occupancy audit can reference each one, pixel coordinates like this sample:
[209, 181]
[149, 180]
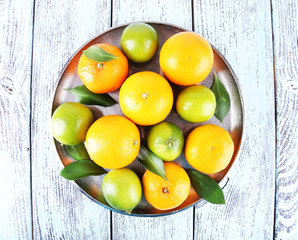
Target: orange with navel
[165, 195]
[113, 141]
[103, 77]
[209, 148]
[146, 98]
[186, 58]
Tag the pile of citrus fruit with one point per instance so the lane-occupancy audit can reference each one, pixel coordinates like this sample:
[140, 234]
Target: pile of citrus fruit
[146, 99]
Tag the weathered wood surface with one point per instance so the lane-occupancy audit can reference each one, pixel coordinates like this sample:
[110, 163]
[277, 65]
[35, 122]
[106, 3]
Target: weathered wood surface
[242, 32]
[258, 38]
[60, 210]
[285, 33]
[15, 75]
[177, 12]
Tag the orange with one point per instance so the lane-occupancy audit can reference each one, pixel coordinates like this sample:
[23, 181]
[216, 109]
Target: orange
[146, 98]
[186, 58]
[103, 77]
[165, 195]
[113, 141]
[209, 148]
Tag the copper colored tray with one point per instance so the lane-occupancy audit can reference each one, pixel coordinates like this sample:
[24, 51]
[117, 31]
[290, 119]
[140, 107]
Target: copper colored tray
[233, 123]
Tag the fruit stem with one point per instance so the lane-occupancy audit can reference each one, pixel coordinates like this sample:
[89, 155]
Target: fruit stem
[145, 95]
[165, 190]
[99, 65]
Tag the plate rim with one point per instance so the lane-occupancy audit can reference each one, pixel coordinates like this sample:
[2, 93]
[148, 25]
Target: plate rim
[242, 137]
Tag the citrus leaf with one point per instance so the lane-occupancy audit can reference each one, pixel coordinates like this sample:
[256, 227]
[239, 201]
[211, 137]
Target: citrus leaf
[82, 168]
[98, 54]
[78, 152]
[152, 162]
[206, 187]
[222, 98]
[87, 97]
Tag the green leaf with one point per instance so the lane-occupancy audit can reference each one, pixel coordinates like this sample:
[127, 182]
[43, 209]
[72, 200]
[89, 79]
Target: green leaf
[82, 168]
[78, 151]
[152, 162]
[206, 187]
[87, 97]
[98, 54]
[222, 98]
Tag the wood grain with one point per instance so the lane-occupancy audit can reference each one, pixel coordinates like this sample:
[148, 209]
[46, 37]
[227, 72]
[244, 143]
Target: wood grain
[176, 12]
[178, 226]
[175, 227]
[15, 63]
[60, 210]
[241, 30]
[285, 33]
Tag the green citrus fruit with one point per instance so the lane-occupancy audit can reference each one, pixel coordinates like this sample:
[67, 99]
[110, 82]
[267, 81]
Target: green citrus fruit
[70, 123]
[139, 42]
[196, 103]
[166, 141]
[122, 189]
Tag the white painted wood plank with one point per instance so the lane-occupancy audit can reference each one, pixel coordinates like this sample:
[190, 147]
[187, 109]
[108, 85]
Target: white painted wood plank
[241, 30]
[178, 226]
[285, 32]
[175, 11]
[60, 210]
[15, 64]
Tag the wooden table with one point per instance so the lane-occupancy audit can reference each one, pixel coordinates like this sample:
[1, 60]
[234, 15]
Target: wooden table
[258, 38]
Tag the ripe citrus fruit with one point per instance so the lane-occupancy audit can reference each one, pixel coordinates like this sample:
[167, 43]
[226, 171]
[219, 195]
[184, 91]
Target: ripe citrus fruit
[113, 141]
[70, 123]
[146, 98]
[166, 141]
[209, 148]
[186, 58]
[165, 195]
[122, 189]
[139, 42]
[196, 103]
[103, 77]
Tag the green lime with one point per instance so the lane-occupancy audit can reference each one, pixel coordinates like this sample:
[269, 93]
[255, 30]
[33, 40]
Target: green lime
[196, 103]
[139, 42]
[70, 123]
[122, 189]
[166, 141]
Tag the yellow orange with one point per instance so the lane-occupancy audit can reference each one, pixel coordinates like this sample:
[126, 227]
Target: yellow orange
[165, 195]
[103, 77]
[146, 98]
[186, 58]
[113, 141]
[209, 148]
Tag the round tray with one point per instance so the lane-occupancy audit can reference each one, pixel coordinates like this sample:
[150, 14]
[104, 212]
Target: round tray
[233, 122]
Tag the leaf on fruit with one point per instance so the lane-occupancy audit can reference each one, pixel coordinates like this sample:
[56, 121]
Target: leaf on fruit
[87, 97]
[82, 168]
[206, 187]
[78, 152]
[152, 162]
[222, 98]
[98, 54]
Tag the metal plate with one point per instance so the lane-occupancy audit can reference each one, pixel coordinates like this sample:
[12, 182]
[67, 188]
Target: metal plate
[233, 123]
